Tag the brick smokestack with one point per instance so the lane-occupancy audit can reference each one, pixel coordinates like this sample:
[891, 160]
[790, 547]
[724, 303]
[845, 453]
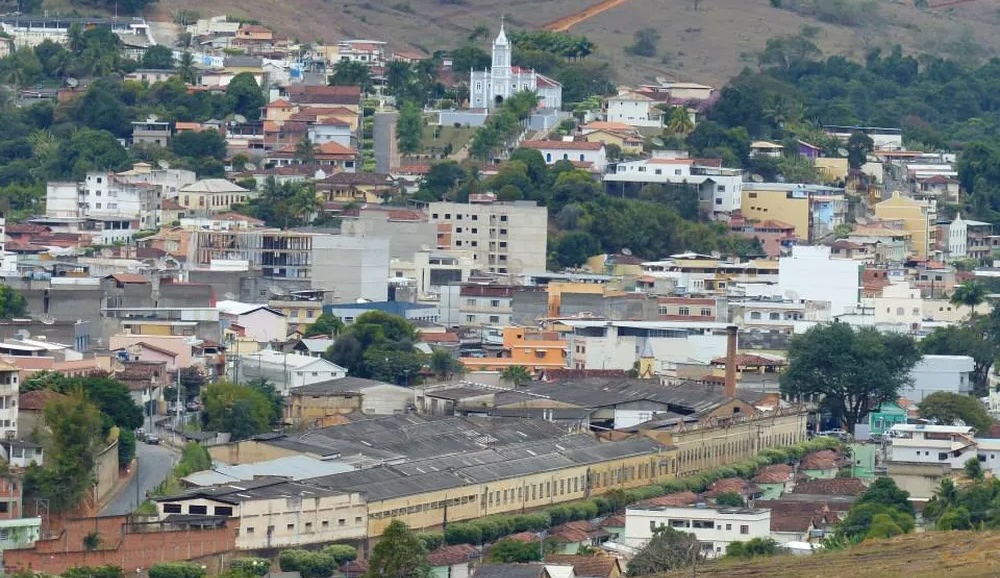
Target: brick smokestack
[730, 390]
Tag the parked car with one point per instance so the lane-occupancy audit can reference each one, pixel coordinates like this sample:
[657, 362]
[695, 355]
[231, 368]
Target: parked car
[140, 434]
[153, 440]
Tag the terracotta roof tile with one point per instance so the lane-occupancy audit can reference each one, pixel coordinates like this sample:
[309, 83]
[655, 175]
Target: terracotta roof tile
[589, 566]
[831, 487]
[676, 499]
[36, 400]
[774, 474]
[450, 555]
[821, 460]
[729, 485]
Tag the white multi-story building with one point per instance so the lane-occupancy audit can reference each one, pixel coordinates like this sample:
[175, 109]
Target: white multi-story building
[899, 307]
[169, 181]
[430, 270]
[9, 390]
[714, 528]
[273, 512]
[352, 267]
[505, 238]
[945, 373]
[601, 344]
[720, 190]
[481, 305]
[932, 444]
[810, 274]
[286, 370]
[489, 88]
[105, 195]
[633, 109]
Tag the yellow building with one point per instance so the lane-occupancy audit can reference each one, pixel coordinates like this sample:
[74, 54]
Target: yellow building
[917, 217]
[630, 144]
[300, 314]
[781, 204]
[526, 347]
[832, 169]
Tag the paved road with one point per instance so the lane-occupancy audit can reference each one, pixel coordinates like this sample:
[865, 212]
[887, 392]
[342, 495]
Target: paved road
[155, 463]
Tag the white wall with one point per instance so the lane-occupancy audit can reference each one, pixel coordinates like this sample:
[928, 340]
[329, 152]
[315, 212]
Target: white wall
[949, 373]
[61, 200]
[614, 352]
[809, 273]
[352, 267]
[724, 526]
[264, 326]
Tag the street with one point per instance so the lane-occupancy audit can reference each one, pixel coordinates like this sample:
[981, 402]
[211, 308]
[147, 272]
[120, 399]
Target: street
[155, 463]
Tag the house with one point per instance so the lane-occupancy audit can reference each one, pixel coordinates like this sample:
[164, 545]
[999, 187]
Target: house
[326, 154]
[798, 521]
[774, 480]
[211, 196]
[316, 404]
[591, 154]
[9, 389]
[830, 487]
[917, 217]
[456, 561]
[353, 187]
[259, 322]
[20, 454]
[588, 566]
[765, 149]
[144, 352]
[947, 373]
[715, 528]
[31, 410]
[633, 109]
[886, 415]
[511, 571]
[822, 464]
[151, 131]
[273, 512]
[151, 75]
[286, 370]
[625, 137]
[720, 190]
[568, 538]
[312, 346]
[939, 186]
[932, 444]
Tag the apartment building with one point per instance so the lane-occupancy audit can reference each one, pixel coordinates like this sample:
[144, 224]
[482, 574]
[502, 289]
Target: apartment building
[719, 190]
[696, 274]
[505, 238]
[486, 304]
[601, 344]
[916, 217]
[715, 528]
[9, 388]
[813, 210]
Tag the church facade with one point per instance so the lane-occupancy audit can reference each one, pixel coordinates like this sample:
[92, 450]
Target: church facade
[489, 88]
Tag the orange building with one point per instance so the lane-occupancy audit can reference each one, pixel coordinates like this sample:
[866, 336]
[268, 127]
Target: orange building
[530, 348]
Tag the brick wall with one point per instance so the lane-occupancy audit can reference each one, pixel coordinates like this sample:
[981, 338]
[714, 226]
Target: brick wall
[130, 546]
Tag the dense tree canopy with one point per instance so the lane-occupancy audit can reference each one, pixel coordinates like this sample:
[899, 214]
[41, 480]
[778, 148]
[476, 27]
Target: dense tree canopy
[946, 408]
[379, 345]
[241, 410]
[398, 554]
[851, 370]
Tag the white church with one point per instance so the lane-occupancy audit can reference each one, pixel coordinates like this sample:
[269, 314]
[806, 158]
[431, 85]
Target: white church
[489, 88]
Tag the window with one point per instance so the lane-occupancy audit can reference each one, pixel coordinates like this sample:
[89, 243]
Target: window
[722, 188]
[683, 311]
[706, 312]
[223, 511]
[357, 519]
[679, 524]
[309, 526]
[705, 524]
[249, 530]
[899, 312]
[495, 303]
[171, 508]
[744, 529]
[326, 524]
[718, 201]
[290, 527]
[942, 456]
[470, 318]
[494, 319]
[774, 316]
[341, 522]
[195, 509]
[677, 171]
[755, 315]
[916, 311]
[752, 195]
[729, 526]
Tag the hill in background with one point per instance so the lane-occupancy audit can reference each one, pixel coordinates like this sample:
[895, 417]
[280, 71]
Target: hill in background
[921, 555]
[705, 41]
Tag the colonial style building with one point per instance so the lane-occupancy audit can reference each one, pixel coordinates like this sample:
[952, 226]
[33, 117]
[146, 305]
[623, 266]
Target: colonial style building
[489, 88]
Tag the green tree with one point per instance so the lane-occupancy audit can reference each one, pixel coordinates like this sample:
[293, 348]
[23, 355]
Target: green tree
[308, 563]
[352, 73]
[514, 552]
[667, 550]
[973, 469]
[241, 410]
[853, 370]
[516, 375]
[194, 458]
[176, 570]
[399, 554]
[409, 128]
[646, 41]
[305, 151]
[885, 492]
[244, 96]
[250, 566]
[158, 57]
[342, 553]
[93, 572]
[757, 547]
[326, 325]
[68, 473]
[955, 519]
[858, 146]
[444, 364]
[946, 408]
[969, 294]
[12, 303]
[789, 51]
[730, 499]
[884, 526]
[186, 70]
[88, 150]
[679, 121]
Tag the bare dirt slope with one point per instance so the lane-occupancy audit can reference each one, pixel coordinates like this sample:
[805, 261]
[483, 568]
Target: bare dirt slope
[924, 555]
[707, 45]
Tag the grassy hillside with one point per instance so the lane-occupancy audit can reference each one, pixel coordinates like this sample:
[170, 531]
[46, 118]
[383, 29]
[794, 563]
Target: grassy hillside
[923, 555]
[701, 40]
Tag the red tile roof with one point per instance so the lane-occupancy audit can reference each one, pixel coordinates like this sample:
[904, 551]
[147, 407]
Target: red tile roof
[128, 278]
[589, 566]
[821, 460]
[451, 555]
[774, 474]
[729, 485]
[525, 537]
[36, 400]
[831, 487]
[749, 360]
[676, 499]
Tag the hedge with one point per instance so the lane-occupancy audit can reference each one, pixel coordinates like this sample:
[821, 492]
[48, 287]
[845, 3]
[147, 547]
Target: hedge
[492, 528]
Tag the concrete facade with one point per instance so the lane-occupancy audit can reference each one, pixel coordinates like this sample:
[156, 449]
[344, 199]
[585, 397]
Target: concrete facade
[352, 267]
[946, 373]
[506, 238]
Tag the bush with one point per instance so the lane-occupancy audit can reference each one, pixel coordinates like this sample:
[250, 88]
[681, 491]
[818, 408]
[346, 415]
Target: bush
[94, 572]
[250, 566]
[307, 563]
[459, 533]
[176, 570]
[430, 540]
[341, 553]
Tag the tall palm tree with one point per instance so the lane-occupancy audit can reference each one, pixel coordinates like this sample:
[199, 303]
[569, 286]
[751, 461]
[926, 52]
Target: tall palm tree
[305, 151]
[970, 294]
[679, 122]
[185, 69]
[517, 375]
[304, 204]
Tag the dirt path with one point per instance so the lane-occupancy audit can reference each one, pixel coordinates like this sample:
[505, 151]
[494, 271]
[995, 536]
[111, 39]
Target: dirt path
[567, 22]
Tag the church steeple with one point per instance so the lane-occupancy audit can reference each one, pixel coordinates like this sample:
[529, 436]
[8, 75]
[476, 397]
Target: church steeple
[501, 50]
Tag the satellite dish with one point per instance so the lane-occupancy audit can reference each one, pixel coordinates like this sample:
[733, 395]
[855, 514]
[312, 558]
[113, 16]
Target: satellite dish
[756, 178]
[239, 118]
[47, 319]
[72, 82]
[842, 152]
[163, 164]
[626, 251]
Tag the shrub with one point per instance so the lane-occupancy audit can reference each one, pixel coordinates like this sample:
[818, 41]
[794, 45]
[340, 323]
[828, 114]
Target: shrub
[250, 566]
[307, 563]
[176, 570]
[459, 533]
[431, 540]
[342, 553]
